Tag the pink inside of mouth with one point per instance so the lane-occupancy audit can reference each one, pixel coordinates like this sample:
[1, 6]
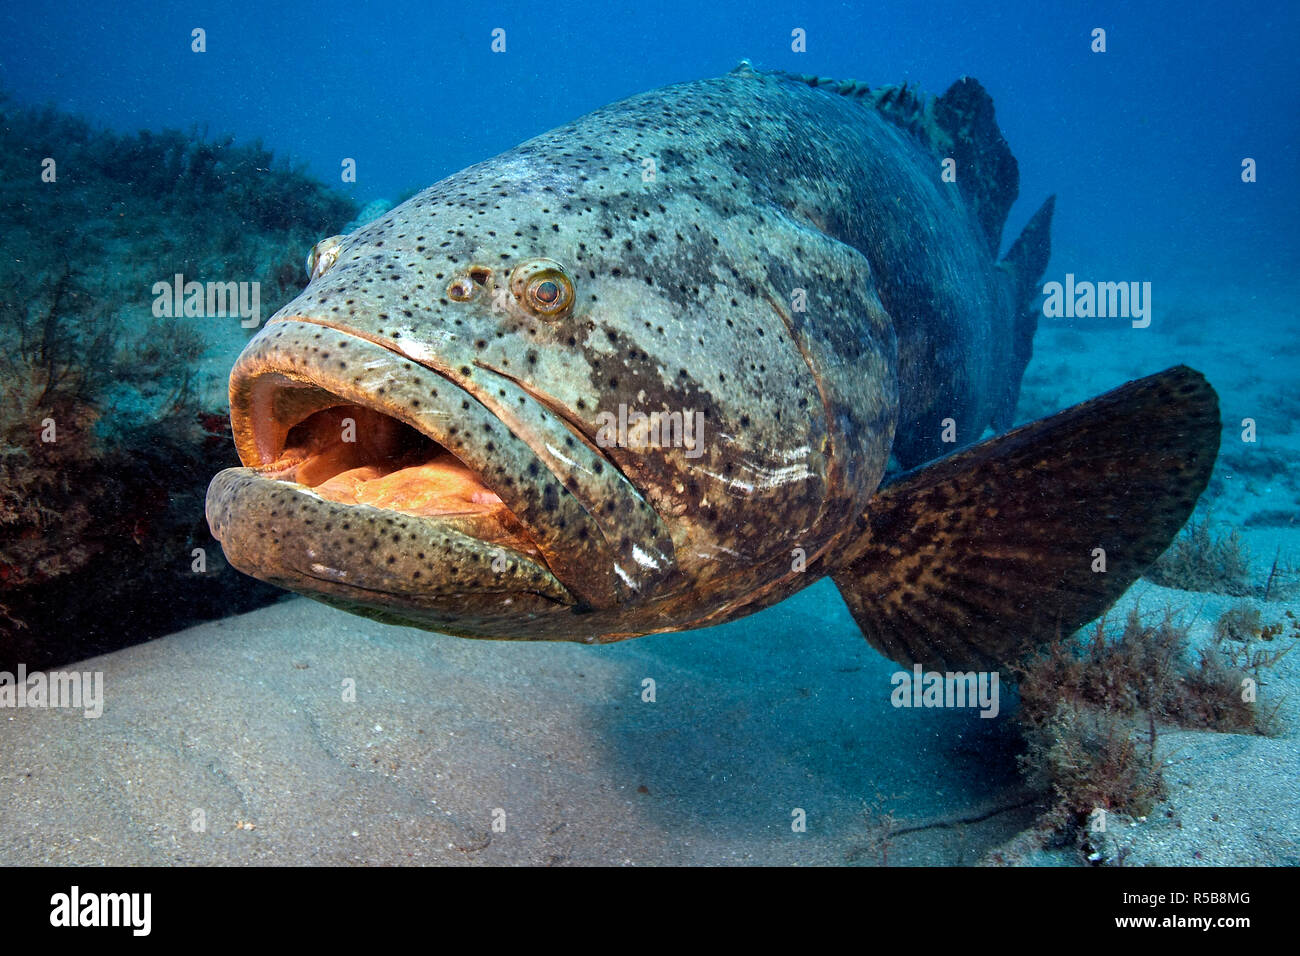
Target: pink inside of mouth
[440, 487]
[357, 456]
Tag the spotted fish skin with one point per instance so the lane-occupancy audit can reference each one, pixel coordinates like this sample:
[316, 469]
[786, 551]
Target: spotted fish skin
[778, 254]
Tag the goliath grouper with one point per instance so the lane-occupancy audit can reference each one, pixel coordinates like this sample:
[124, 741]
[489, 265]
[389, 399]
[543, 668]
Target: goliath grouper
[426, 430]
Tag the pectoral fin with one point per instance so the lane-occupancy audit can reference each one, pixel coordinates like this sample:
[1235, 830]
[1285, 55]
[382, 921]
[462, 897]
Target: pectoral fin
[978, 558]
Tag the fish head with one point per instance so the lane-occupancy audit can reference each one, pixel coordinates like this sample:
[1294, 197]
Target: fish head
[542, 398]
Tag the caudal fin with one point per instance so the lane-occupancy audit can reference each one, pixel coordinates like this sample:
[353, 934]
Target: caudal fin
[973, 561]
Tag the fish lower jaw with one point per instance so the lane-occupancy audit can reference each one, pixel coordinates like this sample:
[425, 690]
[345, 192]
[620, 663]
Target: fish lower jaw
[480, 515]
[291, 535]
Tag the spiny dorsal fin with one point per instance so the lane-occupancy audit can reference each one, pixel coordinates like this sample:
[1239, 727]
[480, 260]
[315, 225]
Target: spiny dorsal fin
[960, 124]
[851, 88]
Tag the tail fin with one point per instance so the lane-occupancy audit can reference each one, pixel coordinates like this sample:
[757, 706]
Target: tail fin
[1026, 263]
[977, 559]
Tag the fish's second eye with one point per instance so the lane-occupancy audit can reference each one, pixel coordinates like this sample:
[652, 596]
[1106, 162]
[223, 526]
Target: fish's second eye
[543, 288]
[462, 289]
[322, 256]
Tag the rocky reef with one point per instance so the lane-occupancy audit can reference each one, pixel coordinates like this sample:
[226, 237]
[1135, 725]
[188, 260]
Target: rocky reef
[113, 417]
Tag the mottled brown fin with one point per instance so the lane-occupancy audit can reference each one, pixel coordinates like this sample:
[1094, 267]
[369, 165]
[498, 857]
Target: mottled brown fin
[976, 559]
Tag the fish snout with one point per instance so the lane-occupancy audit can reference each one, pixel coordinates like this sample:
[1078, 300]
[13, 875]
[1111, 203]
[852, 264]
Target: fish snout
[370, 473]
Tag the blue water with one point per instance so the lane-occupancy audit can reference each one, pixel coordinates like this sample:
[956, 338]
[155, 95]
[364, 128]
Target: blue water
[1143, 143]
[1143, 146]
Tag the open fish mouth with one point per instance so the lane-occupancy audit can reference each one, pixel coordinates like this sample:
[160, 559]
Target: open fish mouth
[370, 477]
[354, 455]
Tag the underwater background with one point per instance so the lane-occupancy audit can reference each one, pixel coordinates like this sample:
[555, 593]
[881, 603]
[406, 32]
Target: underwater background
[238, 173]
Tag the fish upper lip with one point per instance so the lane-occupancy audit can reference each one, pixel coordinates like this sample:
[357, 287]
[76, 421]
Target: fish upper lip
[348, 366]
[575, 426]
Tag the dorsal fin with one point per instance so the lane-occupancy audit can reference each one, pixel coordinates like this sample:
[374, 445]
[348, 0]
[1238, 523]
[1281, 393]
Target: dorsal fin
[987, 173]
[960, 124]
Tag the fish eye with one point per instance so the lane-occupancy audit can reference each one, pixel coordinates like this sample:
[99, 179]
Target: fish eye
[461, 289]
[543, 288]
[322, 256]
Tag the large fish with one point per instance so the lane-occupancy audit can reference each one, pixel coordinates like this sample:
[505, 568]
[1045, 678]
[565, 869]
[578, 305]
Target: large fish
[647, 371]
